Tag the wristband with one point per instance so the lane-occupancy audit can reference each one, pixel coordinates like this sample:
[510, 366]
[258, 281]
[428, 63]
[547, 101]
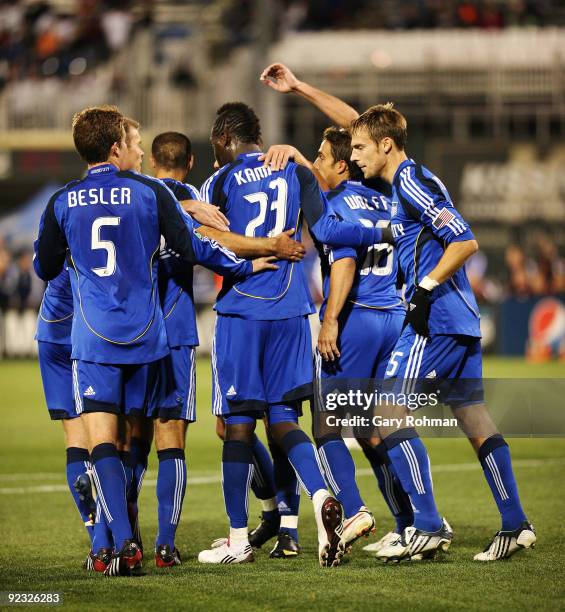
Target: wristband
[427, 283]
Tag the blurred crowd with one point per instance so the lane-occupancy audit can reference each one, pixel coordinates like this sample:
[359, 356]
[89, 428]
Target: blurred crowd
[38, 40]
[411, 14]
[20, 288]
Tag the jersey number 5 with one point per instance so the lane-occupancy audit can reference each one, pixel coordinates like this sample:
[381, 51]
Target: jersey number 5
[107, 245]
[278, 205]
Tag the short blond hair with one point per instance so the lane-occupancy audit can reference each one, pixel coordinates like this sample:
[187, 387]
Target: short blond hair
[383, 121]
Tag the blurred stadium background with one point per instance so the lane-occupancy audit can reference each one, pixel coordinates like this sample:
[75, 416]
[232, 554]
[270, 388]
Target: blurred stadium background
[482, 83]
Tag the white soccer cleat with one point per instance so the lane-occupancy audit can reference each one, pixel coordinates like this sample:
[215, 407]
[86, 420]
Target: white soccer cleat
[390, 538]
[416, 544]
[331, 545]
[506, 543]
[360, 524]
[227, 553]
[219, 542]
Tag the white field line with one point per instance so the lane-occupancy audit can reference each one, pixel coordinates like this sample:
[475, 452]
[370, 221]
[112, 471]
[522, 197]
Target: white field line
[215, 478]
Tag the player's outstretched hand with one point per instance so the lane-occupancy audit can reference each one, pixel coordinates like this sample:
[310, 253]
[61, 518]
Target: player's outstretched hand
[279, 77]
[418, 311]
[264, 263]
[284, 247]
[278, 156]
[327, 340]
[206, 214]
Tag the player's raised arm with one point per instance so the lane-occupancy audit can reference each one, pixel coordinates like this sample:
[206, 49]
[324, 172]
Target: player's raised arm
[281, 246]
[326, 227]
[342, 275]
[51, 245]
[280, 78]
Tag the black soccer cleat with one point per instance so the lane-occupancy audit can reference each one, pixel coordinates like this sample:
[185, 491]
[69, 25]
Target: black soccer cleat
[165, 557]
[83, 486]
[285, 548]
[506, 543]
[126, 562]
[263, 532]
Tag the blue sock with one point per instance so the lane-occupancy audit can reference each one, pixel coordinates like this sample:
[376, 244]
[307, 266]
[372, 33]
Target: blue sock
[390, 487]
[237, 472]
[494, 456]
[410, 459]
[139, 450]
[340, 472]
[263, 485]
[171, 487]
[78, 461]
[304, 459]
[287, 491]
[102, 537]
[111, 486]
[127, 462]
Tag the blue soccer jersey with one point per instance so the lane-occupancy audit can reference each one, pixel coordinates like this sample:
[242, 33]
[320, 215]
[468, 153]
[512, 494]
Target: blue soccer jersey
[260, 202]
[111, 221]
[424, 223]
[377, 266]
[55, 318]
[175, 284]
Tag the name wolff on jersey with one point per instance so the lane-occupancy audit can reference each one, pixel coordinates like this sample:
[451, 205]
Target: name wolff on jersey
[355, 202]
[99, 195]
[252, 175]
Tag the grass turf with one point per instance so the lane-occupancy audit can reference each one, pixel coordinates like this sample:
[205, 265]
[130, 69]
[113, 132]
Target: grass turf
[43, 543]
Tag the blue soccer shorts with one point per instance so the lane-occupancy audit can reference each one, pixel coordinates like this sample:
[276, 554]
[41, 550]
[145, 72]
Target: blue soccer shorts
[452, 363]
[118, 389]
[260, 363]
[56, 375]
[366, 340]
[176, 386]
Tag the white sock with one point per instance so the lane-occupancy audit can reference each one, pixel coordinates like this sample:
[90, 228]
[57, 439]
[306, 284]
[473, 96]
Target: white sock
[238, 536]
[290, 521]
[268, 505]
[319, 497]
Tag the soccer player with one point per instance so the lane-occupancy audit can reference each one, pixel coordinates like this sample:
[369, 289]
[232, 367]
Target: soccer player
[111, 222]
[54, 350]
[441, 338]
[171, 159]
[442, 335]
[269, 319]
[361, 316]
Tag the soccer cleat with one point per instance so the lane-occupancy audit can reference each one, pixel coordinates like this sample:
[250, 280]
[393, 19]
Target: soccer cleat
[165, 557]
[285, 548]
[125, 562]
[417, 544]
[506, 543]
[228, 553]
[263, 533]
[84, 486]
[98, 562]
[331, 545]
[360, 524]
[390, 538]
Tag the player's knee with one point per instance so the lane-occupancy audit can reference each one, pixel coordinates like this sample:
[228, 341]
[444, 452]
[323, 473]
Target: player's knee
[170, 433]
[240, 432]
[75, 433]
[334, 436]
[220, 428]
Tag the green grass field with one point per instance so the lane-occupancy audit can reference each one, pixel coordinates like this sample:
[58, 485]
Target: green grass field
[43, 543]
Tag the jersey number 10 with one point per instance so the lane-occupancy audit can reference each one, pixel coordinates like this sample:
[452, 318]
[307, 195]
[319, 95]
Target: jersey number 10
[278, 205]
[379, 258]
